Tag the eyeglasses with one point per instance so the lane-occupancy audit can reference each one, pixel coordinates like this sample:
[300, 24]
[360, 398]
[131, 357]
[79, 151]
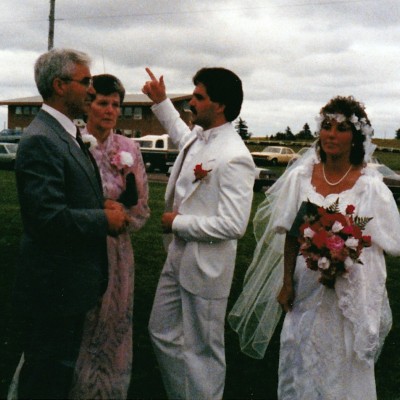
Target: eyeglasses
[84, 82]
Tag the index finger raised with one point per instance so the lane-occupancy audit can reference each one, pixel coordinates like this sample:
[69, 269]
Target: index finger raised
[152, 76]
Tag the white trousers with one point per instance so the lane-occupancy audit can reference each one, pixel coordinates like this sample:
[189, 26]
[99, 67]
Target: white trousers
[187, 333]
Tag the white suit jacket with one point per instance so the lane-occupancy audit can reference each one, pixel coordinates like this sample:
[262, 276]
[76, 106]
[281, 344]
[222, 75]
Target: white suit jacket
[214, 211]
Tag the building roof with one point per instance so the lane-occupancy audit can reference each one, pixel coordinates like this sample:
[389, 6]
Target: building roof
[130, 99]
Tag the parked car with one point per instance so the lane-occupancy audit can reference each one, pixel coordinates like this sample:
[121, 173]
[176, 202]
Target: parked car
[158, 152]
[298, 155]
[273, 155]
[390, 177]
[264, 178]
[8, 152]
[10, 135]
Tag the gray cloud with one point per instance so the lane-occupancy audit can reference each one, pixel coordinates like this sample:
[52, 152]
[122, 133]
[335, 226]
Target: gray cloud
[292, 55]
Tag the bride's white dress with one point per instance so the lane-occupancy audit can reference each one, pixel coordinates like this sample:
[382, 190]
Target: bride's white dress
[331, 338]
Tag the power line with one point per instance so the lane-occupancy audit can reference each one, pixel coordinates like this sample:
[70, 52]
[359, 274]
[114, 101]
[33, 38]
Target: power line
[167, 13]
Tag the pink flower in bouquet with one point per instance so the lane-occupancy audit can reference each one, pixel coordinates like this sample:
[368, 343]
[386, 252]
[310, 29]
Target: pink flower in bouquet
[334, 242]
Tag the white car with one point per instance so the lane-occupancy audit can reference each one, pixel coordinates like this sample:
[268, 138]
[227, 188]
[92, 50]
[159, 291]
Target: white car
[273, 155]
[8, 152]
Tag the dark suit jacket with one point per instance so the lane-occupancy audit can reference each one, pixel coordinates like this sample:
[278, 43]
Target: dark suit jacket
[62, 266]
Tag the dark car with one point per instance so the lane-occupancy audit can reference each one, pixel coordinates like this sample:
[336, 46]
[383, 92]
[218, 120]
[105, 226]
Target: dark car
[8, 152]
[10, 135]
[264, 178]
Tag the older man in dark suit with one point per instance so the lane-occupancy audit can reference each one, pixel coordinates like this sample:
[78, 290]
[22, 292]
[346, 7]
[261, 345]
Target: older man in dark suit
[62, 266]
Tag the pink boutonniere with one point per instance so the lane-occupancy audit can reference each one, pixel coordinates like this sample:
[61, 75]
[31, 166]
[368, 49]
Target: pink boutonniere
[200, 173]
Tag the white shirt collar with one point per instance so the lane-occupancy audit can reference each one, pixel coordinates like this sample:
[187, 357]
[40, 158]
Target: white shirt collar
[205, 135]
[66, 123]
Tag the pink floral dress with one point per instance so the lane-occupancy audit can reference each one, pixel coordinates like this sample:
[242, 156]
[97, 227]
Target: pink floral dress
[103, 369]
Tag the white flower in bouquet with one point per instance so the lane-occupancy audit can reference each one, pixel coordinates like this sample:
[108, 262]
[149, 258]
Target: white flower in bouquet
[351, 243]
[348, 262]
[309, 233]
[323, 263]
[337, 227]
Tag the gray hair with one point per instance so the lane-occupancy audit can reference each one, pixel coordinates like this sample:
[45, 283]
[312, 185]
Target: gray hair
[57, 63]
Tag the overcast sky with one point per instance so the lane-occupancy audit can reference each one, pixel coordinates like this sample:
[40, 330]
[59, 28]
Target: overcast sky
[292, 55]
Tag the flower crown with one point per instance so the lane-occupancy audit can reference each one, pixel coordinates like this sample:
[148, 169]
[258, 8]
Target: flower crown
[360, 124]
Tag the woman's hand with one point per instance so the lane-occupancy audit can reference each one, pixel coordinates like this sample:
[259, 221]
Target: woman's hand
[286, 297]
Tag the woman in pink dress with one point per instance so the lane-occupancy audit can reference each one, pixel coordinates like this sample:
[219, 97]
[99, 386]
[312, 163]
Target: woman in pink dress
[103, 369]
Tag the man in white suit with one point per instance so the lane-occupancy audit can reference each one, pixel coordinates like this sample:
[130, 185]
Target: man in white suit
[208, 203]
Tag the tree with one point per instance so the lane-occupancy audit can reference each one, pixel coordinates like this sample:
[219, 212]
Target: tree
[305, 133]
[242, 129]
[288, 134]
[398, 134]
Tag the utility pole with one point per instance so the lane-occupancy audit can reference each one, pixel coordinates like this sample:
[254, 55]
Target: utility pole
[51, 24]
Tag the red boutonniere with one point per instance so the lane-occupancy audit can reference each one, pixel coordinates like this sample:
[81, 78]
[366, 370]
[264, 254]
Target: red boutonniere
[200, 173]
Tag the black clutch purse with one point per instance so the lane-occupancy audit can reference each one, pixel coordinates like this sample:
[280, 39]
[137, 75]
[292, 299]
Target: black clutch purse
[129, 197]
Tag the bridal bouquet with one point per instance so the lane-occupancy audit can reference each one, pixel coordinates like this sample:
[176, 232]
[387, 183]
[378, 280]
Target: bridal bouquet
[331, 242]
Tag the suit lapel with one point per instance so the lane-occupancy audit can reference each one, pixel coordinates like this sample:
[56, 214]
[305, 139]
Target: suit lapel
[86, 165]
[74, 150]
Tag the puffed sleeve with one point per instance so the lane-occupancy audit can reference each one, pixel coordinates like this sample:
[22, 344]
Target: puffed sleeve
[384, 228]
[288, 200]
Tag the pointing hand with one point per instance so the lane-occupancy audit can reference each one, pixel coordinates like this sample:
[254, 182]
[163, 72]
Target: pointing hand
[155, 88]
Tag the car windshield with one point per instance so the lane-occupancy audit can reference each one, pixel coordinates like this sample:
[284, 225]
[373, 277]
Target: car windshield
[146, 144]
[12, 147]
[303, 150]
[271, 149]
[385, 171]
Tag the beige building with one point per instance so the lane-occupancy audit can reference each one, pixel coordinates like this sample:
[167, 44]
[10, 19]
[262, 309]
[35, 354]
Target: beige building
[136, 117]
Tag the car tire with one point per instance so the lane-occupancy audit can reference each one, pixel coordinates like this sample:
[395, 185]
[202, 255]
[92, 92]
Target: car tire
[274, 162]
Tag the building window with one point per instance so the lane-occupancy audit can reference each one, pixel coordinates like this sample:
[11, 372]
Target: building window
[186, 106]
[137, 114]
[18, 110]
[27, 110]
[128, 111]
[35, 110]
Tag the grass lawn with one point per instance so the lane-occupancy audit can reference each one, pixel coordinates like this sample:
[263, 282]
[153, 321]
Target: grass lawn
[246, 378]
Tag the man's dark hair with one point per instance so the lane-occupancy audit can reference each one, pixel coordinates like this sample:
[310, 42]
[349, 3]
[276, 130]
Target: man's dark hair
[107, 84]
[224, 87]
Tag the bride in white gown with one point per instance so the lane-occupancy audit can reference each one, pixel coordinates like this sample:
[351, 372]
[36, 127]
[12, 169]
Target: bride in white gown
[331, 337]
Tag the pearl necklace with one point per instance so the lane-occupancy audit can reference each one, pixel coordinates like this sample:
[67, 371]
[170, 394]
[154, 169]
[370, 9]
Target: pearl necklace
[340, 180]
